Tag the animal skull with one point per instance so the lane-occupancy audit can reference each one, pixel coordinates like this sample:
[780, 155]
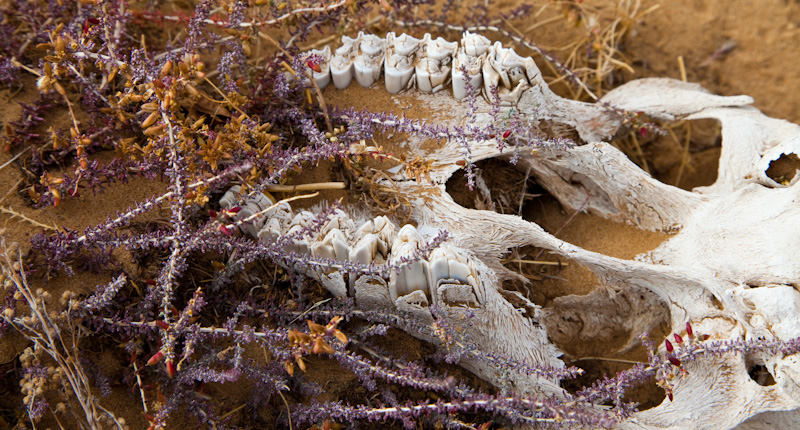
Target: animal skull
[731, 267]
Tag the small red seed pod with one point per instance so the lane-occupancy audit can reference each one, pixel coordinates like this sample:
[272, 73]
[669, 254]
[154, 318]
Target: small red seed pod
[506, 134]
[689, 329]
[670, 396]
[155, 358]
[674, 360]
[678, 338]
[224, 230]
[314, 66]
[643, 132]
[162, 324]
[668, 344]
[171, 368]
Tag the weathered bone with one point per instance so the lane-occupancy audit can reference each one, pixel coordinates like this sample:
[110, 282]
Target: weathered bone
[731, 267]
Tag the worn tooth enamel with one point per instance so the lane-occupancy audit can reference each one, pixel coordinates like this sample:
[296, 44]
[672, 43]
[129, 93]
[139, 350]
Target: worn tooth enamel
[364, 250]
[339, 220]
[323, 77]
[271, 231]
[333, 246]
[471, 56]
[475, 45]
[433, 70]
[341, 249]
[228, 199]
[458, 270]
[439, 268]
[322, 250]
[407, 233]
[440, 49]
[342, 64]
[386, 231]
[300, 244]
[401, 55]
[369, 62]
[504, 69]
[414, 276]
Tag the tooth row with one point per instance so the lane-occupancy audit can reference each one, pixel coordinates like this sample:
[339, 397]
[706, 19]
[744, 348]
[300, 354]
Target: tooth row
[429, 64]
[447, 276]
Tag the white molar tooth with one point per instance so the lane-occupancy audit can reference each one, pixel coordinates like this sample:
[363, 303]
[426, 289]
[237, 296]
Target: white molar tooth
[364, 250]
[475, 45]
[508, 64]
[300, 244]
[384, 231]
[407, 233]
[401, 56]
[504, 69]
[440, 49]
[414, 276]
[439, 267]
[339, 220]
[303, 219]
[229, 198]
[473, 66]
[323, 77]
[433, 70]
[342, 64]
[459, 271]
[322, 250]
[271, 231]
[405, 44]
[333, 246]
[366, 228]
[411, 278]
[369, 62]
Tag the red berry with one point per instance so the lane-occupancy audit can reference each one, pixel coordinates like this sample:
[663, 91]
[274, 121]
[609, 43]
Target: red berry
[674, 360]
[689, 329]
[668, 344]
[678, 338]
